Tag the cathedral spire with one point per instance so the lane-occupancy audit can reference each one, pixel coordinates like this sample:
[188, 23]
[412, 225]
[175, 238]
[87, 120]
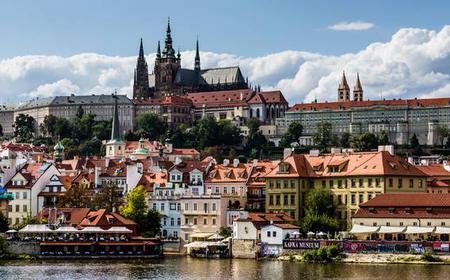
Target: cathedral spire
[358, 90]
[115, 131]
[343, 84]
[141, 50]
[343, 89]
[168, 48]
[158, 51]
[197, 57]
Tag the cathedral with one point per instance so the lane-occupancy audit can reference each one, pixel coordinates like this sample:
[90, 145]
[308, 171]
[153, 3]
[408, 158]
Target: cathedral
[168, 78]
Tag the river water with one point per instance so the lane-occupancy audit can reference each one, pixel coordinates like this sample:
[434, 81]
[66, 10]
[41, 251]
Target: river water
[188, 268]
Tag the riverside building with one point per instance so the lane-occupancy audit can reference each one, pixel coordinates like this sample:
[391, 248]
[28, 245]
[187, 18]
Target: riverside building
[399, 118]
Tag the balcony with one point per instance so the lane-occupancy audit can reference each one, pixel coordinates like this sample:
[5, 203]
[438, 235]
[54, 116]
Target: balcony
[199, 212]
[196, 183]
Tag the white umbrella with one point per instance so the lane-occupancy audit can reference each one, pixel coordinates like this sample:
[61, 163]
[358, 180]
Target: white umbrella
[11, 231]
[321, 233]
[311, 233]
[215, 236]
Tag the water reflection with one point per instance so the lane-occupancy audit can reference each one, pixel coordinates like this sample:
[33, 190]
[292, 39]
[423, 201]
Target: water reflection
[188, 268]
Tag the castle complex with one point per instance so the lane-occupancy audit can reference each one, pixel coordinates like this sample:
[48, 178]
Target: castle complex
[168, 78]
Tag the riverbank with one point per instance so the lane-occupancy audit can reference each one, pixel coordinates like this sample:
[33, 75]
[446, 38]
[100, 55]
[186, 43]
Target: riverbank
[379, 258]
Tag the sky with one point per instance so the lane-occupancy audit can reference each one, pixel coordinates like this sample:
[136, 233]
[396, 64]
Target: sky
[400, 48]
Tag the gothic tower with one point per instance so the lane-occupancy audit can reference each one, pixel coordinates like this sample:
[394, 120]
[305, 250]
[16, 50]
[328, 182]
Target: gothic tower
[357, 90]
[141, 86]
[166, 66]
[343, 90]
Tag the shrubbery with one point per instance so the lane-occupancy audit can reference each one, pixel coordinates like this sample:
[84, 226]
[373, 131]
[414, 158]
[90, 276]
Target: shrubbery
[323, 254]
[428, 257]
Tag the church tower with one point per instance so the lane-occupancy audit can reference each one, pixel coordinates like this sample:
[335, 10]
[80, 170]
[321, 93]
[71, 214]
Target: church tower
[141, 86]
[357, 90]
[166, 66]
[343, 90]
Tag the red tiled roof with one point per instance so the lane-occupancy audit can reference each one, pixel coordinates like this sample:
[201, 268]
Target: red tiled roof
[434, 170]
[168, 100]
[224, 174]
[287, 226]
[179, 151]
[228, 98]
[428, 102]
[409, 200]
[413, 213]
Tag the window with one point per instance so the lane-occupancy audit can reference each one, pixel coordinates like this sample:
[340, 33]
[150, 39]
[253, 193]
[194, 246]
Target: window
[268, 233]
[340, 184]
[195, 221]
[331, 184]
[10, 209]
[172, 221]
[195, 206]
[401, 224]
[214, 207]
[361, 183]
[274, 233]
[324, 184]
[353, 183]
[25, 195]
[173, 206]
[292, 184]
[411, 183]
[271, 200]
[17, 195]
[400, 183]
[270, 184]
[377, 182]
[414, 223]
[353, 199]
[361, 198]
[205, 207]
[339, 199]
[442, 223]
[165, 221]
[162, 206]
[370, 181]
[214, 221]
[186, 221]
[205, 221]
[292, 199]
[186, 206]
[178, 221]
[278, 184]
[391, 183]
[388, 223]
[17, 208]
[420, 184]
[429, 224]
[285, 200]
[25, 208]
[277, 199]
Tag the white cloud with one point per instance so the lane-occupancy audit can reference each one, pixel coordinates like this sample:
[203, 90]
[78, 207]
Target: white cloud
[414, 62]
[351, 26]
[61, 87]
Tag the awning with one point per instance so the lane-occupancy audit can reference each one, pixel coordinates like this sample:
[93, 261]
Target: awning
[416, 230]
[201, 234]
[66, 243]
[216, 236]
[93, 230]
[119, 229]
[442, 230]
[35, 229]
[11, 231]
[363, 229]
[389, 229]
[196, 244]
[67, 229]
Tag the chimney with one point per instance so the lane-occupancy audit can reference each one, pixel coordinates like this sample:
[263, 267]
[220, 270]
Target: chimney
[314, 153]
[235, 162]
[255, 162]
[177, 160]
[97, 176]
[446, 165]
[387, 148]
[287, 152]
[226, 162]
[335, 151]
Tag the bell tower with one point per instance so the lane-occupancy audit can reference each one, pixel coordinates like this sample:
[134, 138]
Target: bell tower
[166, 66]
[343, 90]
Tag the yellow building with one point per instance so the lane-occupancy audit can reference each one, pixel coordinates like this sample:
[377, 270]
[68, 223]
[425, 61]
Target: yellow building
[352, 177]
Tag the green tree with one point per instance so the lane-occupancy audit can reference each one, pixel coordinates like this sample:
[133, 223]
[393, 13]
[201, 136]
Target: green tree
[75, 197]
[255, 139]
[108, 197]
[4, 225]
[62, 128]
[47, 127]
[135, 207]
[24, 126]
[365, 142]
[383, 138]
[443, 132]
[293, 133]
[152, 226]
[415, 146]
[151, 125]
[102, 130]
[225, 232]
[82, 129]
[80, 112]
[90, 147]
[131, 136]
[344, 141]
[230, 135]
[323, 136]
[206, 132]
[320, 212]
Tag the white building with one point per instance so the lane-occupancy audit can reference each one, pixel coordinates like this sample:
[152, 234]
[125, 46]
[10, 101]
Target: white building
[274, 234]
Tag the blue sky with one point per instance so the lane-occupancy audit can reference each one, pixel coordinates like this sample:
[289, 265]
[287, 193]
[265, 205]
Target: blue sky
[248, 28]
[400, 48]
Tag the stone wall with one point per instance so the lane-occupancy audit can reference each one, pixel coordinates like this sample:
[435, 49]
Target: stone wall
[23, 248]
[172, 247]
[244, 249]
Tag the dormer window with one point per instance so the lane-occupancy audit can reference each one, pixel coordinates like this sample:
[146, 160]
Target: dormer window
[283, 167]
[391, 210]
[408, 210]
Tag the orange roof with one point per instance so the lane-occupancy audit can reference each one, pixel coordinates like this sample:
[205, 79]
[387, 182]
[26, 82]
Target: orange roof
[428, 102]
[268, 97]
[178, 151]
[350, 164]
[409, 200]
[259, 171]
[225, 98]
[434, 170]
[224, 174]
[149, 179]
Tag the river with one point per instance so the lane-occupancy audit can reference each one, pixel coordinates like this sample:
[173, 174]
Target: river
[188, 268]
